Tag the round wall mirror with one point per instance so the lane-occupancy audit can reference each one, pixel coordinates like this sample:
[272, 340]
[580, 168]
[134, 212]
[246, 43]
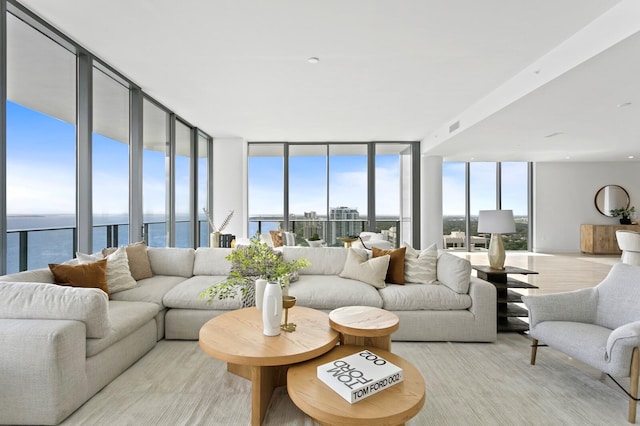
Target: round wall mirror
[611, 197]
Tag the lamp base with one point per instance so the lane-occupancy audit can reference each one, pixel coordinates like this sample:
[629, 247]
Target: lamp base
[496, 252]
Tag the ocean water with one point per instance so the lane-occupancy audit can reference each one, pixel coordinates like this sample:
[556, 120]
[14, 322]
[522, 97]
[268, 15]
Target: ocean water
[50, 237]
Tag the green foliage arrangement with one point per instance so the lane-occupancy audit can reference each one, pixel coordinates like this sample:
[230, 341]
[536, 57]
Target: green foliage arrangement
[314, 237]
[625, 213]
[257, 260]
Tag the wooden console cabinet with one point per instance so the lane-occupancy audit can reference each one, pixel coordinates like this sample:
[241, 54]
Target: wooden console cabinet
[601, 239]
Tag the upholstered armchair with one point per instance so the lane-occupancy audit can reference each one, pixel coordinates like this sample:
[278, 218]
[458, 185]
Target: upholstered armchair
[599, 326]
[629, 243]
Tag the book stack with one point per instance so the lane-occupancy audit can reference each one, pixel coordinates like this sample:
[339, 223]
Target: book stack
[226, 240]
[360, 375]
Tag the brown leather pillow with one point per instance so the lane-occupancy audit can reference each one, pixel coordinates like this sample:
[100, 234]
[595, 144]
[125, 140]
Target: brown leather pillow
[88, 275]
[395, 272]
[276, 238]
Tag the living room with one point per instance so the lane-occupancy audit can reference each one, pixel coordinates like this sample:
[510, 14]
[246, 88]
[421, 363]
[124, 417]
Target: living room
[549, 85]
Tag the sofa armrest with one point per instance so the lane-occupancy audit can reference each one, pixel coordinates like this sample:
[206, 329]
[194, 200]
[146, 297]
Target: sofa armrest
[625, 336]
[483, 298]
[578, 306]
[42, 370]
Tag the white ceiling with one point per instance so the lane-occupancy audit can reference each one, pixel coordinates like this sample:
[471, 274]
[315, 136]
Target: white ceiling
[389, 70]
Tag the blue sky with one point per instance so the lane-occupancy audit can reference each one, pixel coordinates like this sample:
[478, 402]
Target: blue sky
[41, 177]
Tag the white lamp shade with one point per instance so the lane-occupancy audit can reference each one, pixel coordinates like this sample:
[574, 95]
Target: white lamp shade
[496, 222]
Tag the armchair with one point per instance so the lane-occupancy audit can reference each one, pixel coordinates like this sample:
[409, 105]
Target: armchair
[599, 326]
[629, 243]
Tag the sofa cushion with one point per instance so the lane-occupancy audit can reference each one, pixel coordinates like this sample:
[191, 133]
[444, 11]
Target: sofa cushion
[420, 265]
[324, 260]
[454, 272]
[171, 261]
[118, 274]
[126, 317]
[150, 290]
[138, 260]
[395, 271]
[89, 275]
[212, 261]
[51, 301]
[416, 297]
[276, 238]
[186, 295]
[371, 271]
[331, 292]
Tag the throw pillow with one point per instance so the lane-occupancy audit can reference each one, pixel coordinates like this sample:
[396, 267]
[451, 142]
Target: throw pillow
[289, 238]
[372, 271]
[139, 264]
[420, 266]
[118, 274]
[89, 275]
[276, 238]
[454, 272]
[395, 272]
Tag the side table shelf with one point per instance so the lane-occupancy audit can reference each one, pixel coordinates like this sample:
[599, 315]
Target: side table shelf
[507, 312]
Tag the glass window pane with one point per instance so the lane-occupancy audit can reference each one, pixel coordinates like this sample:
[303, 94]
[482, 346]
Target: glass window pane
[266, 187]
[183, 186]
[308, 190]
[391, 169]
[41, 147]
[203, 199]
[482, 193]
[347, 191]
[514, 197]
[154, 182]
[110, 162]
[453, 204]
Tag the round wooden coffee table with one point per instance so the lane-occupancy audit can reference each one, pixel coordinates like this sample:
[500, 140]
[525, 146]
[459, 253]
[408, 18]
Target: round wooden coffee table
[237, 338]
[364, 326]
[392, 406]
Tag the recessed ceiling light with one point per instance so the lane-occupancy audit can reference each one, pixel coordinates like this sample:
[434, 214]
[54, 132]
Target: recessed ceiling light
[631, 157]
[313, 60]
[624, 104]
[567, 158]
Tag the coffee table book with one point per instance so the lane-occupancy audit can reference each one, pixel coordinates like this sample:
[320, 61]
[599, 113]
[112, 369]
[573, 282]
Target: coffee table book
[360, 375]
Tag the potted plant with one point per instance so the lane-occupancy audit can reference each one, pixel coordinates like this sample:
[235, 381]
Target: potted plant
[252, 262]
[624, 213]
[315, 241]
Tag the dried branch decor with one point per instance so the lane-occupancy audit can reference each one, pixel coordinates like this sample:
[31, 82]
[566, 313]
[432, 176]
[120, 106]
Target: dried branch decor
[224, 224]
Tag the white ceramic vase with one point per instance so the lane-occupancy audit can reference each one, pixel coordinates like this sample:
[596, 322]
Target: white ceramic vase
[272, 309]
[214, 240]
[260, 286]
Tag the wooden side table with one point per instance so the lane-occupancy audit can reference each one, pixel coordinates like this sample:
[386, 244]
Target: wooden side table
[393, 406]
[364, 326]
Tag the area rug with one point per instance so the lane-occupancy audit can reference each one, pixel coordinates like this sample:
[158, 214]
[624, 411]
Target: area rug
[467, 384]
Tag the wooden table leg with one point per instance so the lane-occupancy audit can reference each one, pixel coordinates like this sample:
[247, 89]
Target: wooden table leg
[263, 381]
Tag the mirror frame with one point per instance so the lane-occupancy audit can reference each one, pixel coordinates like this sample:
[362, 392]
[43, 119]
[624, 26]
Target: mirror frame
[601, 190]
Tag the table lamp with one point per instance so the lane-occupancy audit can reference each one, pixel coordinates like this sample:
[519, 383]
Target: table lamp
[496, 222]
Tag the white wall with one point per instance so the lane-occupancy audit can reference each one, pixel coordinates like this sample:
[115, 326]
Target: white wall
[564, 199]
[230, 184]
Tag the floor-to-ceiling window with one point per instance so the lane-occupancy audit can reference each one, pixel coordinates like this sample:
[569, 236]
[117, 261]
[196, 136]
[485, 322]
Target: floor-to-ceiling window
[266, 187]
[330, 187]
[41, 149]
[348, 201]
[183, 184]
[203, 188]
[110, 163]
[485, 191]
[154, 174]
[62, 104]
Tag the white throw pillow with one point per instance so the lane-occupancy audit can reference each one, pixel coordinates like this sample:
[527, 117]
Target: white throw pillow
[420, 266]
[372, 271]
[454, 272]
[118, 274]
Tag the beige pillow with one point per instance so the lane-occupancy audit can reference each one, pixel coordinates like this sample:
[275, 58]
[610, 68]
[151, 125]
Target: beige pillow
[420, 266]
[89, 275]
[372, 271]
[118, 274]
[139, 264]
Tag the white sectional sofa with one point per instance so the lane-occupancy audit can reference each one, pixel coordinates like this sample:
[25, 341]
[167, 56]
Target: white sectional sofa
[60, 345]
